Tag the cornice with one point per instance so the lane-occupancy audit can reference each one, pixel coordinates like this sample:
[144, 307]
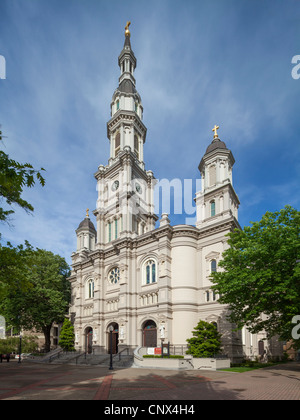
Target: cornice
[126, 116]
[218, 190]
[125, 156]
[168, 231]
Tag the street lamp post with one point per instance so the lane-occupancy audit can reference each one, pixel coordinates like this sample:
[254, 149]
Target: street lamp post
[111, 328]
[20, 349]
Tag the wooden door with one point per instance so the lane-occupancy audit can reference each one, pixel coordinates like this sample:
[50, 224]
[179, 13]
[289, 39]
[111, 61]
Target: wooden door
[150, 335]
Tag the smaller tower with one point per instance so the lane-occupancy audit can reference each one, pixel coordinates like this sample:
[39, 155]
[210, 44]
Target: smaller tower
[217, 200]
[86, 235]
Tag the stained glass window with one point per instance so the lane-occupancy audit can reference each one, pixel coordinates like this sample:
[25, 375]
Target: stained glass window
[153, 273]
[116, 229]
[213, 266]
[136, 146]
[212, 208]
[150, 272]
[117, 143]
[91, 289]
[114, 276]
[109, 231]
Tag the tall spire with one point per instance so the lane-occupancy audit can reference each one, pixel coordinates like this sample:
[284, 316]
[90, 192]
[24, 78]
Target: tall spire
[127, 64]
[126, 127]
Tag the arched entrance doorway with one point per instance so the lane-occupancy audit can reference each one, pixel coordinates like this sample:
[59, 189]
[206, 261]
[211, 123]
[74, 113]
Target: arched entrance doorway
[89, 340]
[115, 338]
[150, 334]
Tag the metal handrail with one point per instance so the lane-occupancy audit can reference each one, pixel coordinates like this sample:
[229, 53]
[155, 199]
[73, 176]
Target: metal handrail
[119, 354]
[54, 356]
[82, 354]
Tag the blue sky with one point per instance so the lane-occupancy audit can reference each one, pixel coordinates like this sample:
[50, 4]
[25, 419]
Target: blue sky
[199, 63]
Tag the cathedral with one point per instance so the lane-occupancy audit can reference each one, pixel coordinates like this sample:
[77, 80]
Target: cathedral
[134, 273]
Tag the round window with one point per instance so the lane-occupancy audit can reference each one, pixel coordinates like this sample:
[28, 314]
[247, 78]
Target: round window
[114, 276]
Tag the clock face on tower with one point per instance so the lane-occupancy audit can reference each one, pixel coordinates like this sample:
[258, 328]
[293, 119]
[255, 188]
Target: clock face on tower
[138, 188]
[115, 186]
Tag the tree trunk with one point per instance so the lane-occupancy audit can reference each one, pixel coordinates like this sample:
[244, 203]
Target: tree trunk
[46, 331]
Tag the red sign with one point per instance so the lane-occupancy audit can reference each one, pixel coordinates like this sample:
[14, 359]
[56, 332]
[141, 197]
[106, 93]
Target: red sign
[157, 350]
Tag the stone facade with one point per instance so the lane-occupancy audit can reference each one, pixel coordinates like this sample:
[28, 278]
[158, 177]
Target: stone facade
[141, 276]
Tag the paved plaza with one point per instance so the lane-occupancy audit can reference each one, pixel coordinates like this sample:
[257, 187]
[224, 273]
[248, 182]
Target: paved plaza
[30, 381]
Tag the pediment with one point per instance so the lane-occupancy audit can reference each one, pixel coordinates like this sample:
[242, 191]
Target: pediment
[212, 255]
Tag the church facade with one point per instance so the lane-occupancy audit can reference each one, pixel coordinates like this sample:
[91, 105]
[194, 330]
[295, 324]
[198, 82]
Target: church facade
[135, 273]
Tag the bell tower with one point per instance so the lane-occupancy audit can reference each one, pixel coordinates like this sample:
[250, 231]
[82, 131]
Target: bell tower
[125, 128]
[125, 205]
[217, 200]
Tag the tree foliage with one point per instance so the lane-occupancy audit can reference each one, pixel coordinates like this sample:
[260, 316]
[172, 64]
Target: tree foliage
[14, 177]
[14, 268]
[12, 344]
[45, 300]
[206, 340]
[260, 277]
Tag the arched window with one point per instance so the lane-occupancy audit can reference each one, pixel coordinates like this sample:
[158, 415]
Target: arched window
[116, 228]
[109, 231]
[118, 104]
[212, 175]
[117, 143]
[114, 275]
[136, 146]
[212, 208]
[207, 296]
[213, 266]
[90, 288]
[150, 275]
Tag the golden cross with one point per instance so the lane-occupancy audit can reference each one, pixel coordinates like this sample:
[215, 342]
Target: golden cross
[87, 212]
[127, 32]
[216, 127]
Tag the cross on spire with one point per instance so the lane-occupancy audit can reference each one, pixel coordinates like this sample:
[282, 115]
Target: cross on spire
[216, 127]
[127, 31]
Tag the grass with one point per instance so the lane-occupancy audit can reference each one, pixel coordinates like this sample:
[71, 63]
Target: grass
[150, 356]
[245, 367]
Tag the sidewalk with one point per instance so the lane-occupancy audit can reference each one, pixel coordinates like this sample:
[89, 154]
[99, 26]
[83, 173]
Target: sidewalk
[29, 381]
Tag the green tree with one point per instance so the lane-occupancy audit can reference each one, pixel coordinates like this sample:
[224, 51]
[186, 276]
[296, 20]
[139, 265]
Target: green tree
[206, 341]
[12, 344]
[67, 336]
[14, 268]
[14, 177]
[259, 278]
[47, 298]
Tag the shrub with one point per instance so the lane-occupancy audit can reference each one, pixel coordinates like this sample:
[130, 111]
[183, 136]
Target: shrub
[67, 336]
[206, 341]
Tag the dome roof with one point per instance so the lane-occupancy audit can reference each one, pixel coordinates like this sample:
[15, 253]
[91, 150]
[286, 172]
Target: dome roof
[216, 144]
[87, 224]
